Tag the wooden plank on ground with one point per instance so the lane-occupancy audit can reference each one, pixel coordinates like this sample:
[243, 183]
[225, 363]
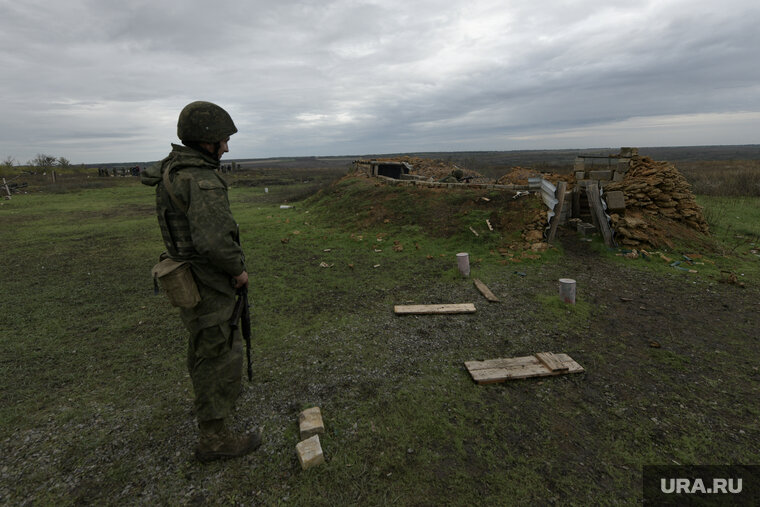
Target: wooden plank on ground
[485, 291]
[550, 361]
[500, 370]
[434, 309]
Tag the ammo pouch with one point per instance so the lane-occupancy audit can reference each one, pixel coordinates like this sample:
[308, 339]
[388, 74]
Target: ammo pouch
[177, 280]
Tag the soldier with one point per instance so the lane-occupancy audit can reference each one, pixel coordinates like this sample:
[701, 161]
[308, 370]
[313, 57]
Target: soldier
[197, 226]
[454, 177]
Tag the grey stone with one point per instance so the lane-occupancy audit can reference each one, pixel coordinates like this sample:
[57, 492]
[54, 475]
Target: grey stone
[615, 201]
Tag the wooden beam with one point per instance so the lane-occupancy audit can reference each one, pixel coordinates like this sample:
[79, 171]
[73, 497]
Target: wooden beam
[561, 189]
[595, 203]
[576, 202]
[485, 291]
[434, 309]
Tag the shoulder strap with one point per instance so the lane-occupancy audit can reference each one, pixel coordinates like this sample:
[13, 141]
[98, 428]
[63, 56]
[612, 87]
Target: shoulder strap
[168, 187]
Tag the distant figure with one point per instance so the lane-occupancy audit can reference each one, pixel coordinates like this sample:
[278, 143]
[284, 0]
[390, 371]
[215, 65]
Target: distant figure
[454, 177]
[197, 226]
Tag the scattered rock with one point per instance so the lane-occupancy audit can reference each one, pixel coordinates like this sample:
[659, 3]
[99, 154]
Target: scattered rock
[310, 452]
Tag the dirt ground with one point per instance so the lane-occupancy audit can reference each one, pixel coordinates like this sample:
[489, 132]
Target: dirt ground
[650, 305]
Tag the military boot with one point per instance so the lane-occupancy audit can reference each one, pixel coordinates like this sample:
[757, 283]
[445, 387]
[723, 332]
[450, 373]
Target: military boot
[217, 442]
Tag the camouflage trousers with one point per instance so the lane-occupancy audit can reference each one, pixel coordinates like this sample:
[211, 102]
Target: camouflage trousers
[215, 360]
[214, 352]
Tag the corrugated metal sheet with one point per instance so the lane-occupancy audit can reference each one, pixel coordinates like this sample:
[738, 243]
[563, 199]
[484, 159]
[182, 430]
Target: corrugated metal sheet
[548, 192]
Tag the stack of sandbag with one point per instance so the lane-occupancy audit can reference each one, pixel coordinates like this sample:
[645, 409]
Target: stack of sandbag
[655, 189]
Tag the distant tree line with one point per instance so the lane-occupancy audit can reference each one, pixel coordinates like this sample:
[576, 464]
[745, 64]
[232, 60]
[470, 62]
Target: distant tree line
[42, 162]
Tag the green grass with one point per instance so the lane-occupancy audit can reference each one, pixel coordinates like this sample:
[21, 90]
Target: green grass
[574, 316]
[733, 218]
[95, 401]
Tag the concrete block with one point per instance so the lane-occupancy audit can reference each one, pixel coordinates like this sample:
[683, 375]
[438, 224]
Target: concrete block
[579, 175]
[605, 175]
[585, 228]
[615, 201]
[579, 164]
[618, 176]
[310, 422]
[310, 452]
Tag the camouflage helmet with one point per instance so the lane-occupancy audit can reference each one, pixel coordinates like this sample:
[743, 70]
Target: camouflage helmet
[204, 122]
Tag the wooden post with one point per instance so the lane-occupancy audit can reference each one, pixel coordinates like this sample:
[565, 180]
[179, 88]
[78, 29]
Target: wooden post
[53, 175]
[5, 184]
[561, 188]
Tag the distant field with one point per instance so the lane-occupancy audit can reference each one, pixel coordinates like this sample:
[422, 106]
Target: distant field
[712, 170]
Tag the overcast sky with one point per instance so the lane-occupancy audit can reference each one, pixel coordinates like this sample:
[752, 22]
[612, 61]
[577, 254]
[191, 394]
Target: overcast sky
[104, 81]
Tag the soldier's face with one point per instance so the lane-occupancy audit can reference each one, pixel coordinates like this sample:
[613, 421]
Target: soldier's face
[223, 147]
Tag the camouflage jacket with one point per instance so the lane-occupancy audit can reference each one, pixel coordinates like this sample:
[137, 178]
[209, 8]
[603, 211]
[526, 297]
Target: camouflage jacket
[200, 229]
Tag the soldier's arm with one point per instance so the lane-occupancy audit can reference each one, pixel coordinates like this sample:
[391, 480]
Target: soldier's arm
[212, 226]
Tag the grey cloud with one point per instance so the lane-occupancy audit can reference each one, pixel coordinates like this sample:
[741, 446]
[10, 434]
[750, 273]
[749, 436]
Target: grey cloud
[313, 77]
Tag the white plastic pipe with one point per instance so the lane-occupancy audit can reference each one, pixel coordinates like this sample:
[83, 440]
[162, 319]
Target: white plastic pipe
[567, 290]
[463, 262]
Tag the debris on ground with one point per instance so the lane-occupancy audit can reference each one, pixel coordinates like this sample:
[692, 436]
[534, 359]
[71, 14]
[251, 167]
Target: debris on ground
[310, 423]
[539, 365]
[483, 288]
[730, 278]
[310, 452]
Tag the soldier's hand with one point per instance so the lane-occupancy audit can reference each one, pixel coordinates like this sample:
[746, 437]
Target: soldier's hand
[241, 280]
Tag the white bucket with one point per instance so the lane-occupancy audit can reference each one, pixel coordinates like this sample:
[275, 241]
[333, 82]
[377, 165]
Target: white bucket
[567, 290]
[463, 262]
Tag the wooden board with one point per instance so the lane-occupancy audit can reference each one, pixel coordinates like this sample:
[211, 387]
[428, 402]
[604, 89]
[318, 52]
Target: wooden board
[551, 361]
[557, 218]
[499, 370]
[595, 203]
[434, 309]
[485, 291]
